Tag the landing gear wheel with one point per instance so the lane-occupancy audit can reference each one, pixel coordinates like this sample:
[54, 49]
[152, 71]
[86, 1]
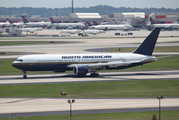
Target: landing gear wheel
[24, 76]
[94, 74]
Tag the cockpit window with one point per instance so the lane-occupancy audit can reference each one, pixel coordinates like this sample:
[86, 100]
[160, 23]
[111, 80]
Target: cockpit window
[21, 60]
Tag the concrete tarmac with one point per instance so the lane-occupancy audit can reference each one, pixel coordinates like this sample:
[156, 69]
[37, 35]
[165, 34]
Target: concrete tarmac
[104, 76]
[16, 107]
[81, 45]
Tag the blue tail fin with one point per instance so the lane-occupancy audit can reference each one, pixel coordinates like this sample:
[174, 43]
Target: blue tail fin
[147, 47]
[24, 19]
[152, 21]
[52, 20]
[9, 21]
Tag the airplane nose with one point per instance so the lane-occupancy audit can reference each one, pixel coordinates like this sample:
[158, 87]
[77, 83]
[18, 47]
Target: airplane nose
[14, 65]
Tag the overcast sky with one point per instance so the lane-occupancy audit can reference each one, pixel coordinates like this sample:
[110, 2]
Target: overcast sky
[88, 3]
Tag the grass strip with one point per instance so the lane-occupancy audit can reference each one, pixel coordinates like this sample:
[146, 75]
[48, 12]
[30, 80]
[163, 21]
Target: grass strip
[3, 43]
[113, 89]
[165, 115]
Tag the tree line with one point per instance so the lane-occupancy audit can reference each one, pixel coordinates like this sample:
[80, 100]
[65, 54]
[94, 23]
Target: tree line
[101, 9]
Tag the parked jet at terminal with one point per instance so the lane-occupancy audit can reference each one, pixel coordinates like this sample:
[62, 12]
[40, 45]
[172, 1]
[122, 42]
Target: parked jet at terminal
[67, 25]
[31, 30]
[70, 31]
[35, 24]
[94, 32]
[110, 27]
[81, 64]
[19, 24]
[4, 24]
[152, 23]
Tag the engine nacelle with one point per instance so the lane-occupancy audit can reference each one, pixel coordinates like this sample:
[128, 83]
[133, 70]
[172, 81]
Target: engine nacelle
[81, 70]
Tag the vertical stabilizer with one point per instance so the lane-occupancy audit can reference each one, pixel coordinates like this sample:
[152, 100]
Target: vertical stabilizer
[147, 47]
[152, 21]
[52, 20]
[24, 19]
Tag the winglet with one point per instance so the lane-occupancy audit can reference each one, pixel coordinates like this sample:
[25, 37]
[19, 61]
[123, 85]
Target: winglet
[147, 47]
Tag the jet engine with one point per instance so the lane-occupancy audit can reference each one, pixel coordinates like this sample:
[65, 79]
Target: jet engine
[81, 70]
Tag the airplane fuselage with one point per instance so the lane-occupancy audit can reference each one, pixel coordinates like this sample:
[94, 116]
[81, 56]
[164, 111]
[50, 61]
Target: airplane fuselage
[63, 62]
[114, 27]
[68, 24]
[92, 31]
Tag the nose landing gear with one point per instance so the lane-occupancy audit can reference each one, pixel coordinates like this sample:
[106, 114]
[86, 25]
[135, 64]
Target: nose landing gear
[24, 76]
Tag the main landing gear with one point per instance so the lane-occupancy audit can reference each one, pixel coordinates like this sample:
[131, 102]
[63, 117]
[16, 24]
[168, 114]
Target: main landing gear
[24, 76]
[93, 74]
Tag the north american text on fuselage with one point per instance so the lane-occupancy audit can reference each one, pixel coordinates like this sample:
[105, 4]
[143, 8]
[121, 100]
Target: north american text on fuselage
[86, 56]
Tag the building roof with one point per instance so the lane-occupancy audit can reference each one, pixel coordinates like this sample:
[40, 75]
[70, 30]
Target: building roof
[87, 15]
[135, 14]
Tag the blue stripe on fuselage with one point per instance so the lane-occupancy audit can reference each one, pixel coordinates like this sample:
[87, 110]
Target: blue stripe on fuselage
[63, 67]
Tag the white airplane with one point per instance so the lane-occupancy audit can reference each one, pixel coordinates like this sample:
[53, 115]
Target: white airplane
[70, 31]
[128, 26]
[67, 25]
[4, 24]
[31, 30]
[94, 32]
[81, 64]
[152, 23]
[113, 27]
[35, 24]
[19, 24]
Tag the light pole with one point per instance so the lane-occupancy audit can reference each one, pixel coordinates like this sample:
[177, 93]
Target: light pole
[72, 6]
[159, 98]
[71, 101]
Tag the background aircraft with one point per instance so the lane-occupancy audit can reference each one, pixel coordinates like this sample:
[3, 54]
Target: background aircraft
[19, 24]
[152, 23]
[70, 31]
[94, 32]
[110, 27]
[4, 24]
[35, 24]
[31, 30]
[67, 25]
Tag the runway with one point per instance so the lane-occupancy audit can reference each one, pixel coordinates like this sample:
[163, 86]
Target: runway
[105, 76]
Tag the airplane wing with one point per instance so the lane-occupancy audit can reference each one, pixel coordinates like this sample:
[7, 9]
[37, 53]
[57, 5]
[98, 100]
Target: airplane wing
[112, 63]
[103, 64]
